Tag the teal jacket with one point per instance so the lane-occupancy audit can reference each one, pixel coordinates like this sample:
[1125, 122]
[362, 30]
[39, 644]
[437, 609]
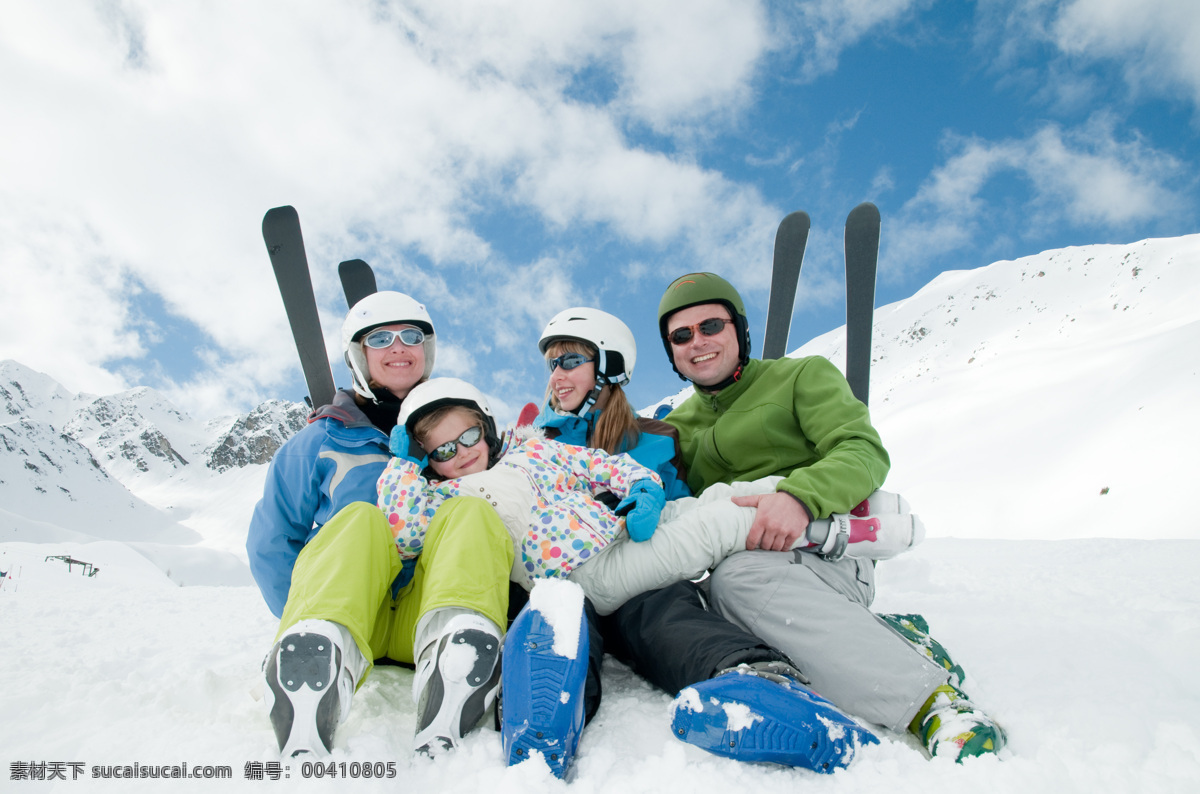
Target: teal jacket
[656, 448]
[791, 417]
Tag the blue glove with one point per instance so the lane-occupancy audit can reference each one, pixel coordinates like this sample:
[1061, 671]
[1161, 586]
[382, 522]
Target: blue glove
[642, 508]
[399, 445]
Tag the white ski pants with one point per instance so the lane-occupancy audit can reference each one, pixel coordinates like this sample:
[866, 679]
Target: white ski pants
[693, 535]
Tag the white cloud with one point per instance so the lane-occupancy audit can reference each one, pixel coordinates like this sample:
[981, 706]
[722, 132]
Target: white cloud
[164, 131]
[143, 141]
[65, 304]
[1156, 42]
[674, 60]
[1087, 177]
[823, 29]
[691, 58]
[1097, 179]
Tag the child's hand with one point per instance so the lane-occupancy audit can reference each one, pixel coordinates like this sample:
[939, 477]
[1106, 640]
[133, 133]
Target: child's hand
[399, 444]
[642, 508]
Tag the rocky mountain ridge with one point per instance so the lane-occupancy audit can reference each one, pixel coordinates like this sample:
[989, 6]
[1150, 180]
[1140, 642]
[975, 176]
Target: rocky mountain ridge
[78, 462]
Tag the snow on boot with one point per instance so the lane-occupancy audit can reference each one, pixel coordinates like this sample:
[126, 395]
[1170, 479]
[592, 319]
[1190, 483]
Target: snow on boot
[456, 681]
[915, 629]
[949, 722]
[544, 672]
[749, 716]
[878, 536]
[311, 674]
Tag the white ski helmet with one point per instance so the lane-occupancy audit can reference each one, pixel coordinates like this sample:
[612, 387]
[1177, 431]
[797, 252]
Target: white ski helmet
[617, 350]
[437, 392]
[375, 310]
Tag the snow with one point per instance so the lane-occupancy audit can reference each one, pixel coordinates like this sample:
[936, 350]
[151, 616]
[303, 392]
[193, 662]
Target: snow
[1041, 416]
[1086, 660]
[739, 717]
[560, 602]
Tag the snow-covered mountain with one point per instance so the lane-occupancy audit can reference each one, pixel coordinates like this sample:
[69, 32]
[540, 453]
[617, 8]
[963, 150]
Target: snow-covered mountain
[132, 467]
[1049, 397]
[56, 488]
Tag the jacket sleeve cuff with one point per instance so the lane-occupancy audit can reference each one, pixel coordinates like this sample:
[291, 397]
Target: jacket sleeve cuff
[807, 509]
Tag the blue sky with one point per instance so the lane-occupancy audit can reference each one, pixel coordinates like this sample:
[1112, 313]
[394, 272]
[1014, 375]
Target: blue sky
[505, 160]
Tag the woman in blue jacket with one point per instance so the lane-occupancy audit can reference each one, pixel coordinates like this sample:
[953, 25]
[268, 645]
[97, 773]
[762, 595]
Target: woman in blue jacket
[325, 560]
[667, 636]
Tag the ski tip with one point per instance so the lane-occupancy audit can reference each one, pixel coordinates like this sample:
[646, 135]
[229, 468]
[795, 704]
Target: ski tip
[528, 414]
[277, 220]
[866, 212]
[287, 210]
[795, 223]
[662, 410]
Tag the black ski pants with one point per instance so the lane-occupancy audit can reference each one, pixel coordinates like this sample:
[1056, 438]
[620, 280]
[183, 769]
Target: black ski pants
[667, 636]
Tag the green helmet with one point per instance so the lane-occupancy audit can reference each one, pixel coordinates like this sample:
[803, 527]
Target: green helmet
[694, 289]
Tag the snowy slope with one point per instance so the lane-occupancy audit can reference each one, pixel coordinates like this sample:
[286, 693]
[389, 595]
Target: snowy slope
[1050, 397]
[1010, 397]
[1071, 379]
[1084, 649]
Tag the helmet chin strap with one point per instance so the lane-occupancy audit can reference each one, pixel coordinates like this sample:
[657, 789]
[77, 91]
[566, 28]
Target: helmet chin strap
[589, 400]
[601, 381]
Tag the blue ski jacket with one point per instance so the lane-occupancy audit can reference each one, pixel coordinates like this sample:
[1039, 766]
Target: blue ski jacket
[335, 460]
[657, 447]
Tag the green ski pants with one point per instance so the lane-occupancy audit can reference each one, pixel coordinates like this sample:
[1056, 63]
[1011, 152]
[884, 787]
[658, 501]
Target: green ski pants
[345, 575]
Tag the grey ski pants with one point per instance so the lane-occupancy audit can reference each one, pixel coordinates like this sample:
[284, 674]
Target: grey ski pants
[817, 612]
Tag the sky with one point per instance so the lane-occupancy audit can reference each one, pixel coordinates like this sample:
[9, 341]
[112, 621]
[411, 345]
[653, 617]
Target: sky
[504, 160]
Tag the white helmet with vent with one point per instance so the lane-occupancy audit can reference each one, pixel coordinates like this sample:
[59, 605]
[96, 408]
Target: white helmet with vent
[611, 337]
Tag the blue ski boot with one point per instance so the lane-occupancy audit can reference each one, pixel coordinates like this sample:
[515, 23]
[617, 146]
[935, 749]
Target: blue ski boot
[542, 682]
[750, 715]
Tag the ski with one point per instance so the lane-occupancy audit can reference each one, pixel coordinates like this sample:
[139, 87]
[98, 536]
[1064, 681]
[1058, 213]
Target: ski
[862, 257]
[358, 280]
[285, 246]
[790, 242]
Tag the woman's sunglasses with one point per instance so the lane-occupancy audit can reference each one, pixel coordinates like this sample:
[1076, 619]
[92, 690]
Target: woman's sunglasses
[444, 452]
[569, 361]
[383, 338]
[709, 327]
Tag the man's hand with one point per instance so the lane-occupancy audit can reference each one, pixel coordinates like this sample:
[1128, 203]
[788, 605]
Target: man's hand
[780, 521]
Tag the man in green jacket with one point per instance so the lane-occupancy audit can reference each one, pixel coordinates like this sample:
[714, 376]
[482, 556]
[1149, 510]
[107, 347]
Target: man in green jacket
[798, 419]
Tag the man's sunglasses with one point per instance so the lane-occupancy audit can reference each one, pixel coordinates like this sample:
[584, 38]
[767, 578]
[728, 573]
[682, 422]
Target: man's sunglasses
[709, 327]
[383, 338]
[569, 361]
[444, 452]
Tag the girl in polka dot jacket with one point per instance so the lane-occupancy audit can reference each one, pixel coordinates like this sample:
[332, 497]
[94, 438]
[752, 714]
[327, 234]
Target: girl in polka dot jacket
[571, 511]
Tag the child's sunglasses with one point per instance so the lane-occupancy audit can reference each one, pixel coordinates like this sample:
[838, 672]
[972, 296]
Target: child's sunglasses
[444, 452]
